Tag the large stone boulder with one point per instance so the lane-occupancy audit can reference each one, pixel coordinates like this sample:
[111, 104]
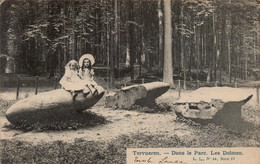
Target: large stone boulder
[50, 106]
[143, 95]
[218, 104]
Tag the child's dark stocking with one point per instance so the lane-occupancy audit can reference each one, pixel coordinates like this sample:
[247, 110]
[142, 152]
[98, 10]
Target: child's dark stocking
[74, 94]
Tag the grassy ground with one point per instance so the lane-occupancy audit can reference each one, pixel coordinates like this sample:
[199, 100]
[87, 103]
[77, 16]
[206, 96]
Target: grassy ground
[114, 151]
[95, 139]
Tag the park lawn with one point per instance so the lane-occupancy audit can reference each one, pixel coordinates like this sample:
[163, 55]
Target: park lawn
[114, 151]
[166, 131]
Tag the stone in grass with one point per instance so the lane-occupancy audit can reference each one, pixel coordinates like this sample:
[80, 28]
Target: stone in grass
[143, 95]
[52, 106]
[217, 104]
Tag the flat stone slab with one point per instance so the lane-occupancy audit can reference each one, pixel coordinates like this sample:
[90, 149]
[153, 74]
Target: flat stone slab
[206, 94]
[217, 104]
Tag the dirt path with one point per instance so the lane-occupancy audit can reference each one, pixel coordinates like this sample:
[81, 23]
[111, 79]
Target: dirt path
[121, 122]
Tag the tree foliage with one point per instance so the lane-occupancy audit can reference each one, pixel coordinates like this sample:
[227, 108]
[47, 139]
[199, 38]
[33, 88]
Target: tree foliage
[42, 35]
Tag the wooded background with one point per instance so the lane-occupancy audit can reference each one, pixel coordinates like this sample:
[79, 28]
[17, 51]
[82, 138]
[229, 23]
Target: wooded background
[220, 38]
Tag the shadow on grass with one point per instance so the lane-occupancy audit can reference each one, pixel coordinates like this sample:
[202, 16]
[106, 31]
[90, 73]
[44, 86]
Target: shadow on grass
[154, 108]
[75, 121]
[243, 126]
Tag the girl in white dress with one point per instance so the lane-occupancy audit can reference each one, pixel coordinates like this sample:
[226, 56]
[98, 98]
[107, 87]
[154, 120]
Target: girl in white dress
[87, 73]
[71, 80]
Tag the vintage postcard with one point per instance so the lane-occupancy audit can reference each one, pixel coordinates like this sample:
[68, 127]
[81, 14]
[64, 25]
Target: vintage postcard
[130, 81]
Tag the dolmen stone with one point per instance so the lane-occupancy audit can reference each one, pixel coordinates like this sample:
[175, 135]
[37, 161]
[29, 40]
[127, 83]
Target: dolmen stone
[218, 104]
[142, 94]
[50, 106]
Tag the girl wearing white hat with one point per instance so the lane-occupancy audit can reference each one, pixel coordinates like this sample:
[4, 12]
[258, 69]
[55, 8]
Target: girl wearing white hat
[85, 63]
[86, 72]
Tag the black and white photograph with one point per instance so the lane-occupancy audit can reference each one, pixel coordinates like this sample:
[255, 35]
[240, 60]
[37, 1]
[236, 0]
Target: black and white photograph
[129, 81]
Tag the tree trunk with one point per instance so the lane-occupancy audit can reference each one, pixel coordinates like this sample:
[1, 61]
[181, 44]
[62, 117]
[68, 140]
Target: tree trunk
[131, 38]
[254, 52]
[228, 42]
[205, 44]
[214, 44]
[257, 41]
[191, 52]
[127, 62]
[116, 34]
[195, 50]
[107, 45]
[72, 42]
[141, 40]
[237, 67]
[119, 40]
[174, 46]
[183, 62]
[222, 45]
[198, 63]
[246, 67]
[216, 50]
[167, 71]
[160, 40]
[59, 61]
[65, 60]
[112, 52]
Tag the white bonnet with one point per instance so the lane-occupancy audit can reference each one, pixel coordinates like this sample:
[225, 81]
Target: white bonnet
[86, 56]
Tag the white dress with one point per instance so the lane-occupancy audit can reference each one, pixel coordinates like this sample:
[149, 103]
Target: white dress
[88, 76]
[72, 82]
